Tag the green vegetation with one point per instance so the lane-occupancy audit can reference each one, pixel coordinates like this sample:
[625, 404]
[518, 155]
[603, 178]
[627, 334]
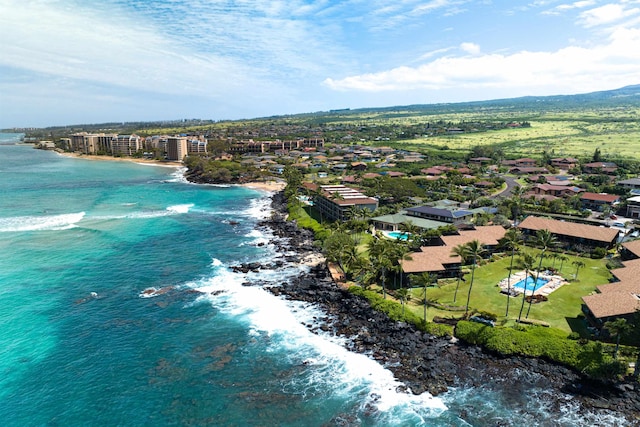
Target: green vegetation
[551, 344]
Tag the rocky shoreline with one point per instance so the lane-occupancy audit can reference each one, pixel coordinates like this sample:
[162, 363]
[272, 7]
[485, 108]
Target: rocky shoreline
[424, 362]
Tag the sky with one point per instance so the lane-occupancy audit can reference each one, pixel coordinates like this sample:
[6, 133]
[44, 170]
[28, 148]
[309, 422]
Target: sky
[65, 62]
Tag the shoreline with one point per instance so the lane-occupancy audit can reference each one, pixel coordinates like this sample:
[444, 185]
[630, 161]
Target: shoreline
[425, 363]
[164, 163]
[270, 185]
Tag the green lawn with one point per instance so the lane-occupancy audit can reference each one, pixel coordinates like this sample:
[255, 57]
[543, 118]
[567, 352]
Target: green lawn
[560, 311]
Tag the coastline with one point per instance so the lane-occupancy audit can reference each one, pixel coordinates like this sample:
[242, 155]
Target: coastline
[425, 363]
[270, 185]
[164, 163]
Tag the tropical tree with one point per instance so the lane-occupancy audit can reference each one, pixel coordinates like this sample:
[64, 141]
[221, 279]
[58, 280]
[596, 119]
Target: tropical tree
[473, 251]
[337, 247]
[511, 240]
[379, 250]
[562, 258]
[528, 262]
[579, 264]
[425, 280]
[400, 252]
[403, 295]
[546, 240]
[460, 251]
[617, 328]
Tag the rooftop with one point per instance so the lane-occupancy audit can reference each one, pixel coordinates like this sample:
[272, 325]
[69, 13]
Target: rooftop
[571, 229]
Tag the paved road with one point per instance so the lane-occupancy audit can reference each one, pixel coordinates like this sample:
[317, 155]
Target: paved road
[511, 184]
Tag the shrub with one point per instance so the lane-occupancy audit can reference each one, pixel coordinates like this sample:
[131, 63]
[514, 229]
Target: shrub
[548, 343]
[598, 253]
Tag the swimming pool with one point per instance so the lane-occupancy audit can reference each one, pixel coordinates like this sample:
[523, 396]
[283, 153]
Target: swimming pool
[528, 284]
[398, 235]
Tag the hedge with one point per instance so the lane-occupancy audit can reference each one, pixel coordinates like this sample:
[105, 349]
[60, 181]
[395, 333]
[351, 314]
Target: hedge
[547, 343]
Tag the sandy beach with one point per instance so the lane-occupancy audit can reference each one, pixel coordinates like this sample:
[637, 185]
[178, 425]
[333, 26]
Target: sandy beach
[123, 159]
[271, 185]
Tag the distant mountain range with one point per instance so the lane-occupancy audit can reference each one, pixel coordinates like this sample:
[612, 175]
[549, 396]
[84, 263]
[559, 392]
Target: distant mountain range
[628, 96]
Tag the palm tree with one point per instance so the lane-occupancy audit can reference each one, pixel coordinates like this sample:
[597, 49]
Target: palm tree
[527, 261]
[546, 240]
[617, 328]
[460, 251]
[400, 253]
[579, 264]
[473, 250]
[426, 280]
[379, 254]
[562, 259]
[403, 294]
[511, 240]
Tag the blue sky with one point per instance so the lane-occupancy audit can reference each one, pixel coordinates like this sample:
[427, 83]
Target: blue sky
[87, 61]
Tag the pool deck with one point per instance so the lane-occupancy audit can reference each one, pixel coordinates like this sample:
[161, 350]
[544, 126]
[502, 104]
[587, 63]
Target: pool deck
[554, 282]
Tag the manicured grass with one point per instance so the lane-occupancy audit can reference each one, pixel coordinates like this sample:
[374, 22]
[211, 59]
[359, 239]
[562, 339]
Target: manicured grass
[560, 311]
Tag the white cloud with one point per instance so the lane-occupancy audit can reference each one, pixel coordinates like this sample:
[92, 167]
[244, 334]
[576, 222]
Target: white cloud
[569, 6]
[574, 69]
[471, 48]
[606, 14]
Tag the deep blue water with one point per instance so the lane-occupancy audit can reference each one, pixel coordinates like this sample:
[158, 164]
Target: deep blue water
[82, 243]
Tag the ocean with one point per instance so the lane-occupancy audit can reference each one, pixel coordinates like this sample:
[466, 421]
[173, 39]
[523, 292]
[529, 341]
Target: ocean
[119, 307]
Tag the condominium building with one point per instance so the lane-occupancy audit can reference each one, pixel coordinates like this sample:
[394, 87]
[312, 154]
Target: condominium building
[177, 148]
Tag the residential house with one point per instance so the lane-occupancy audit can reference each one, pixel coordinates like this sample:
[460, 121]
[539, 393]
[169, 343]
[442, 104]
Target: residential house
[525, 170]
[633, 207]
[600, 167]
[631, 183]
[555, 190]
[565, 163]
[570, 233]
[599, 201]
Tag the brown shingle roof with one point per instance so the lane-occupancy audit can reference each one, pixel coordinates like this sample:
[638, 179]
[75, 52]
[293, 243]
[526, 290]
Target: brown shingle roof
[572, 229]
[633, 247]
[614, 303]
[430, 259]
[487, 235]
[601, 197]
[618, 298]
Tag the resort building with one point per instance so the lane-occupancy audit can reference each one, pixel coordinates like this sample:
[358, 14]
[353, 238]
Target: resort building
[570, 233]
[334, 201]
[449, 216]
[177, 148]
[439, 260]
[619, 299]
[432, 259]
[125, 145]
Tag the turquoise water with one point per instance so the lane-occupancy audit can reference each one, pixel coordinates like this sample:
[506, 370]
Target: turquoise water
[530, 284]
[82, 243]
[398, 235]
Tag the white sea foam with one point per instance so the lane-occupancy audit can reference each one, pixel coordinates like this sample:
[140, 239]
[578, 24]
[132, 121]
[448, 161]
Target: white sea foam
[285, 323]
[180, 208]
[40, 223]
